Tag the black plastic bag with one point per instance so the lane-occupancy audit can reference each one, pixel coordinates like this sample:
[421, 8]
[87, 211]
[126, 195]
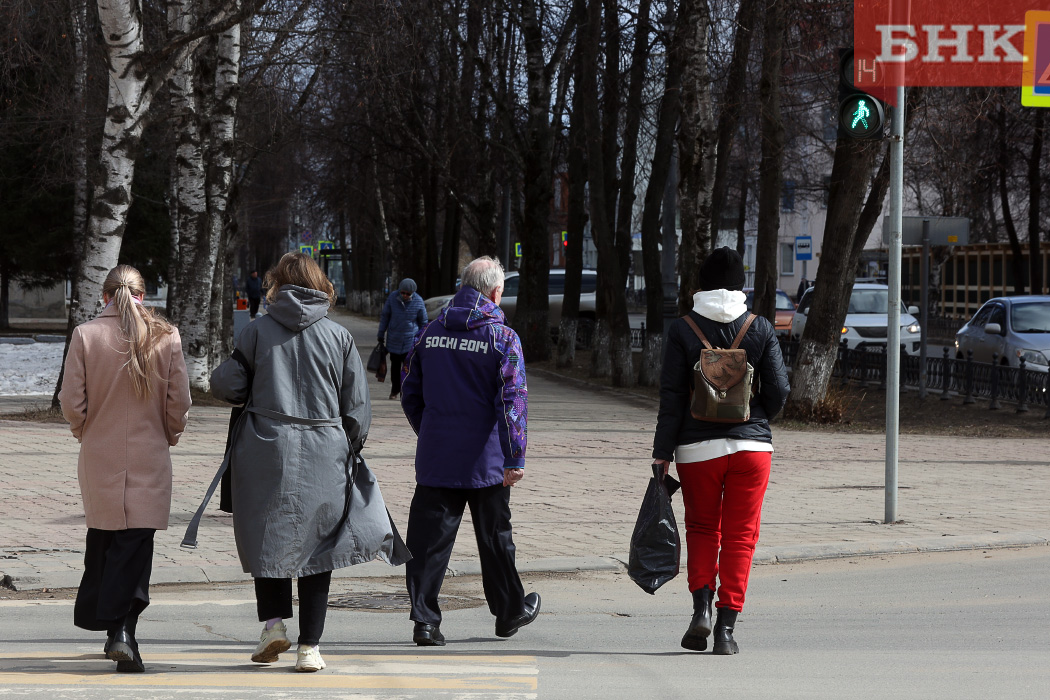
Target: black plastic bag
[656, 549]
[377, 358]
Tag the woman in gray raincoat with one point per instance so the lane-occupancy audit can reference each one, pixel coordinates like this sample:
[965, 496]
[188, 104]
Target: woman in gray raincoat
[303, 504]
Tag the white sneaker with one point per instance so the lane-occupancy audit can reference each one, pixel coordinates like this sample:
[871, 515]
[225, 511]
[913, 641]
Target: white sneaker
[309, 659]
[271, 643]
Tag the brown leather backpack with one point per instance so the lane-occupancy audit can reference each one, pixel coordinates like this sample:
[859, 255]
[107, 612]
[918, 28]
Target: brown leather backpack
[722, 380]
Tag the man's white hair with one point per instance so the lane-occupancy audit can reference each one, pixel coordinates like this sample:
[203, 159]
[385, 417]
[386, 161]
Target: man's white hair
[484, 274]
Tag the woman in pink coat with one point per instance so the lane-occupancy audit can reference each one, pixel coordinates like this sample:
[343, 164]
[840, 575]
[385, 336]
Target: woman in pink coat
[126, 396]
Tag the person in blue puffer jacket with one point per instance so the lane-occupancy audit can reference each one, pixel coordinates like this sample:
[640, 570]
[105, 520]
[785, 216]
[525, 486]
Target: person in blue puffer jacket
[466, 398]
[404, 313]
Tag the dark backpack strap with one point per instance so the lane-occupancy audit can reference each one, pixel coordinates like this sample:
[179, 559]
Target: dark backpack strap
[696, 329]
[743, 330]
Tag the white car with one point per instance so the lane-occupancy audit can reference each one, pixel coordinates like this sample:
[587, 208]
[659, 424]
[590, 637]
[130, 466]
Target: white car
[865, 323]
[1007, 329]
[555, 290]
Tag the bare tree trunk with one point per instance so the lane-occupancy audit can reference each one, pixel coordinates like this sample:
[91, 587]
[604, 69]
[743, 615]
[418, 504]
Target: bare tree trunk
[659, 174]
[849, 222]
[531, 319]
[5, 296]
[191, 309]
[817, 351]
[344, 258]
[126, 112]
[611, 277]
[223, 102]
[770, 167]
[1035, 193]
[577, 219]
[135, 76]
[697, 147]
[741, 217]
[81, 186]
[732, 107]
[1004, 200]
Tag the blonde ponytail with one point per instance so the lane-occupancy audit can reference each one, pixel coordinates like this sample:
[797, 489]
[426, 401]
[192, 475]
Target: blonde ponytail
[142, 329]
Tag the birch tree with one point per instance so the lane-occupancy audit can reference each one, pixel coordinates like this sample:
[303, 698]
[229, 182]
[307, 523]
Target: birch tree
[203, 93]
[136, 74]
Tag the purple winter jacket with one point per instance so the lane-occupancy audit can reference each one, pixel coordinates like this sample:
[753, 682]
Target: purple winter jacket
[463, 390]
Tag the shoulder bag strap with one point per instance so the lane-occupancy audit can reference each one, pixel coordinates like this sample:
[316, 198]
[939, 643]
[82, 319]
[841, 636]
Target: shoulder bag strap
[696, 329]
[743, 330]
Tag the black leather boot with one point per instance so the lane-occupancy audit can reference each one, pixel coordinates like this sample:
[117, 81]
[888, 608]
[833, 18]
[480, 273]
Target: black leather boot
[122, 648]
[695, 638]
[724, 624]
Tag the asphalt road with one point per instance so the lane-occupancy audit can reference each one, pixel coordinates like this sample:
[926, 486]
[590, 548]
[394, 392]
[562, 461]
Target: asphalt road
[953, 625]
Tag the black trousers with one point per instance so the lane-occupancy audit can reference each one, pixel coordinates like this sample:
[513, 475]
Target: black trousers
[115, 585]
[253, 306]
[395, 372]
[433, 521]
[273, 597]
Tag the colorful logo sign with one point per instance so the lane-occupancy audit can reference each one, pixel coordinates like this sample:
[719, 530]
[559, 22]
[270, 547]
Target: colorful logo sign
[1035, 77]
[939, 42]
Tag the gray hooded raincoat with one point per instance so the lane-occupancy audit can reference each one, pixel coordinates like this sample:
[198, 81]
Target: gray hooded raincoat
[302, 504]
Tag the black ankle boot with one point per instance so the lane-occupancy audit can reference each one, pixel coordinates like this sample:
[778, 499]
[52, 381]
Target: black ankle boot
[695, 638]
[124, 649]
[724, 624]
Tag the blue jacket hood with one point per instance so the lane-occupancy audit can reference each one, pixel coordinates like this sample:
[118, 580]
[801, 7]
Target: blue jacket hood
[470, 309]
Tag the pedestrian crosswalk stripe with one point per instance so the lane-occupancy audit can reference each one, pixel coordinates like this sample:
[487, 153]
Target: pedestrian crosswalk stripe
[517, 674]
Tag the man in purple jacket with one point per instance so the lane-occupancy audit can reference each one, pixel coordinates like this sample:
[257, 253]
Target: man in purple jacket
[463, 390]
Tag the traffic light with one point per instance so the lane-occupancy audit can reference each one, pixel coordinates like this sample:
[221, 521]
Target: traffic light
[861, 116]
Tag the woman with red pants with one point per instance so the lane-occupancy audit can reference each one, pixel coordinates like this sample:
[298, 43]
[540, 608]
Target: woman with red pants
[723, 467]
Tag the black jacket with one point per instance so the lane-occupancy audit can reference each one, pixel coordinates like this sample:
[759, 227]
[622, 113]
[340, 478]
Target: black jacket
[675, 425]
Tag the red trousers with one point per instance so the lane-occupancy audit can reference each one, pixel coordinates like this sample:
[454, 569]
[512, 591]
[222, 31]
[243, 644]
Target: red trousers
[723, 511]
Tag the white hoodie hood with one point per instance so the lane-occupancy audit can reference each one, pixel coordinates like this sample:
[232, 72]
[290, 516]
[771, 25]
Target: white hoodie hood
[721, 305]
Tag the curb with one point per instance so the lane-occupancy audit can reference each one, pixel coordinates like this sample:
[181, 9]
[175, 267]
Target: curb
[790, 554]
[785, 554]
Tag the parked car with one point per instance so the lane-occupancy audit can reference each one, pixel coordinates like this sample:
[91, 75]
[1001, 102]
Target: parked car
[1011, 328]
[555, 291]
[785, 309]
[865, 323]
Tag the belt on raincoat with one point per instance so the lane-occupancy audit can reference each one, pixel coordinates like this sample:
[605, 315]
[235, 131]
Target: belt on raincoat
[189, 540]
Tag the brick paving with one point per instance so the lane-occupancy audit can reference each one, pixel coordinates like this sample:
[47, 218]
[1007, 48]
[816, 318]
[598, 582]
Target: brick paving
[586, 470]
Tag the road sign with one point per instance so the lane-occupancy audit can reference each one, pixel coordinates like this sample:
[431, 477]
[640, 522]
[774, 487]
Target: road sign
[944, 230]
[803, 247]
[325, 245]
[517, 250]
[1035, 75]
[307, 250]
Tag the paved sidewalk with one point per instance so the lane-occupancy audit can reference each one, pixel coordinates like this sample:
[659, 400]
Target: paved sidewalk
[587, 468]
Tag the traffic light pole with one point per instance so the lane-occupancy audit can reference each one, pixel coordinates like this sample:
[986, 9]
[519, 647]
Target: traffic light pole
[893, 316]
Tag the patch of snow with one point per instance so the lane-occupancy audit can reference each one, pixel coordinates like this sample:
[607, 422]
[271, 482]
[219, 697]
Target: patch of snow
[29, 369]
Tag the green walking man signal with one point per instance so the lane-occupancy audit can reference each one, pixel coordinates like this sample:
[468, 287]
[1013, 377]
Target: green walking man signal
[861, 116]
